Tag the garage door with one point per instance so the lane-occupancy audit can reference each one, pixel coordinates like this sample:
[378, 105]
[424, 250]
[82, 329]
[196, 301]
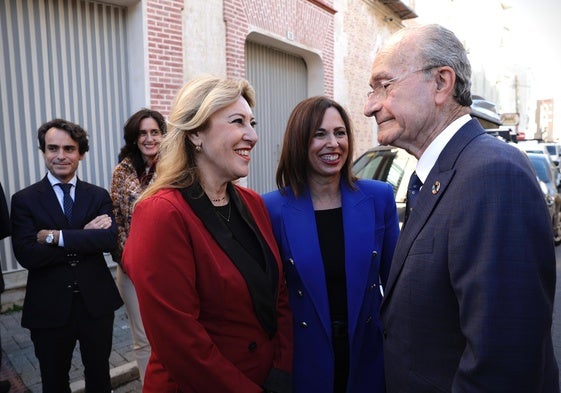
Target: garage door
[60, 58]
[280, 82]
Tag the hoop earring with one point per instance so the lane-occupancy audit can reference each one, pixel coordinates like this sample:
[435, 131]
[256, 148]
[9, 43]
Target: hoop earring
[199, 148]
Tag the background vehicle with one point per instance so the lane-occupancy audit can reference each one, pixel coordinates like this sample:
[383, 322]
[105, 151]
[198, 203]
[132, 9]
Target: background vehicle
[536, 147]
[554, 150]
[390, 164]
[394, 166]
[546, 174]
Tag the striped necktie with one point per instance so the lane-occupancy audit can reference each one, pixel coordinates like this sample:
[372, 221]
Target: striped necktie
[67, 201]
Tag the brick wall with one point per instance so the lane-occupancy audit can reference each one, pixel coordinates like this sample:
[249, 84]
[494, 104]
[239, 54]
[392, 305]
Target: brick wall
[309, 23]
[165, 52]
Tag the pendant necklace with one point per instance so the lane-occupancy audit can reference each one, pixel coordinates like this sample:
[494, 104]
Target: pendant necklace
[218, 208]
[216, 200]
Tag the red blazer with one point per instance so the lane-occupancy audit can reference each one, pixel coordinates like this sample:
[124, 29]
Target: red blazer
[195, 304]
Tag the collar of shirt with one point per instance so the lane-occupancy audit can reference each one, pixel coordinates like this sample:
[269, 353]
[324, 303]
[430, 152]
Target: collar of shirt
[429, 157]
[54, 181]
[58, 191]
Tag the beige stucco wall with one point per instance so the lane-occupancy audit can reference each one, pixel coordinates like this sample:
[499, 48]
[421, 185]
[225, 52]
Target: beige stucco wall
[360, 30]
[204, 38]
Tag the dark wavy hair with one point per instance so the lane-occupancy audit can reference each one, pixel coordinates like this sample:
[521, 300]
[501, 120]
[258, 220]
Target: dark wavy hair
[131, 131]
[77, 133]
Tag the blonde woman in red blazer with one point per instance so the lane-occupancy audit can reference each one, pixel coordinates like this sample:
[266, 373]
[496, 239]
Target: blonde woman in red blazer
[202, 255]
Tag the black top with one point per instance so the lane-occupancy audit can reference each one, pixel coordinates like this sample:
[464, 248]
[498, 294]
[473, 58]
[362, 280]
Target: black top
[332, 244]
[331, 241]
[241, 232]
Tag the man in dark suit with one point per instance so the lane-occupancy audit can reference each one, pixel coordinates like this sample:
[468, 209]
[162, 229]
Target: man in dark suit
[61, 226]
[4, 232]
[469, 299]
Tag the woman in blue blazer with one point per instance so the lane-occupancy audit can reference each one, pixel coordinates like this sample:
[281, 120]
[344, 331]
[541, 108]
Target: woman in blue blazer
[337, 235]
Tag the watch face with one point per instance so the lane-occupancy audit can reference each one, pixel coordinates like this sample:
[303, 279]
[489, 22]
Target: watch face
[50, 237]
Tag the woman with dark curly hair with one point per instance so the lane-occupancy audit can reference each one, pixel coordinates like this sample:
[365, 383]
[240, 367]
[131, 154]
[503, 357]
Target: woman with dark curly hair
[143, 133]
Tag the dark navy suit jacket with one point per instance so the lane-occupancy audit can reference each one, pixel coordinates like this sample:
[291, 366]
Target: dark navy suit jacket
[370, 229]
[468, 304]
[53, 269]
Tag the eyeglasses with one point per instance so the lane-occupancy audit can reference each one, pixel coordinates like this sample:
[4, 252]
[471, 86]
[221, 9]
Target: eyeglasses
[379, 90]
[153, 133]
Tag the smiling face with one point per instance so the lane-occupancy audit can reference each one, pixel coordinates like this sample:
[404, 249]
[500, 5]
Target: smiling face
[329, 147]
[226, 144]
[61, 155]
[149, 138]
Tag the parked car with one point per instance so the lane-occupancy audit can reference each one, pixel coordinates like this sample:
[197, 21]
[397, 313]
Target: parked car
[536, 147]
[554, 150]
[546, 174]
[390, 164]
[394, 166]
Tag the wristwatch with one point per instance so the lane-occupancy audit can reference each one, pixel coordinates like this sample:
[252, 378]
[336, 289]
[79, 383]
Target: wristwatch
[50, 239]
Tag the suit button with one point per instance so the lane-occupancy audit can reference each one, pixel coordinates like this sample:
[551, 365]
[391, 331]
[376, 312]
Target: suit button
[300, 293]
[374, 254]
[304, 325]
[372, 286]
[385, 333]
[369, 319]
[252, 346]
[291, 261]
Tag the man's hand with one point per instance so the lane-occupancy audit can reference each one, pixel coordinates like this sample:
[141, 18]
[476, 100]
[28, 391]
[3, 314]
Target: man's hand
[100, 222]
[43, 233]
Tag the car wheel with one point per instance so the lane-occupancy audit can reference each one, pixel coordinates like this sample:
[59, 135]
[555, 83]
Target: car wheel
[557, 228]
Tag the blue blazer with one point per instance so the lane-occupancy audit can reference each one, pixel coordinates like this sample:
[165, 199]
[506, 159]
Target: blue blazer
[469, 299]
[370, 228]
[53, 269]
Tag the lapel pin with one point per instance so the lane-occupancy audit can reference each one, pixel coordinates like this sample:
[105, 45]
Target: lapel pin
[435, 187]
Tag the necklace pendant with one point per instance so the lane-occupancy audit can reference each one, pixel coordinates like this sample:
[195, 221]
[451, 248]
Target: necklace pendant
[227, 218]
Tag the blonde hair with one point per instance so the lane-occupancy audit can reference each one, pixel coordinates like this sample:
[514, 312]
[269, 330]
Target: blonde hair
[191, 111]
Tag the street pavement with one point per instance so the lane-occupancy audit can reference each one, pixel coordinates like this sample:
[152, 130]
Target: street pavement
[21, 368]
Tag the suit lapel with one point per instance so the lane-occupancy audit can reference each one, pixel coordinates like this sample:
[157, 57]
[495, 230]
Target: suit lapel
[301, 232]
[358, 223]
[262, 285]
[432, 191]
[49, 202]
[82, 202]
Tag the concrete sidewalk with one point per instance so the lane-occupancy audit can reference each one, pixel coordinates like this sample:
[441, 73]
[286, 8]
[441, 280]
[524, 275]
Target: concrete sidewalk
[21, 368]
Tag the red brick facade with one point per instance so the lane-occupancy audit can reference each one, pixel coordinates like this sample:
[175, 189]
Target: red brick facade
[165, 51]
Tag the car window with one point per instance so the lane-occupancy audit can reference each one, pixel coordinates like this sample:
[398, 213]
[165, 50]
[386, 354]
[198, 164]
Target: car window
[368, 165]
[541, 169]
[396, 171]
[551, 149]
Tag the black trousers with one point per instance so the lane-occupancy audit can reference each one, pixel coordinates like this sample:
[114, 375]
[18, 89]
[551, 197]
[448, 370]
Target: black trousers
[54, 348]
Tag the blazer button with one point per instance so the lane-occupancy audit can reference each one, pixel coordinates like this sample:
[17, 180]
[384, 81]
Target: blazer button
[385, 333]
[372, 286]
[304, 325]
[291, 261]
[374, 254]
[252, 346]
[300, 293]
[369, 319]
